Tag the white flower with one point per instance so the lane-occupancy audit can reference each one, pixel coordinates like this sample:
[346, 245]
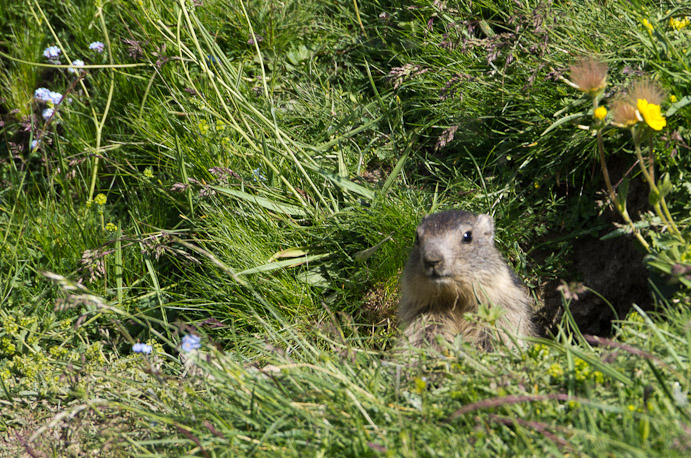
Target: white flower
[76, 63]
[51, 52]
[42, 94]
[96, 46]
[34, 144]
[47, 113]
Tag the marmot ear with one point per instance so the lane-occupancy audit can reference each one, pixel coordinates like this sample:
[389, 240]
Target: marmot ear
[485, 226]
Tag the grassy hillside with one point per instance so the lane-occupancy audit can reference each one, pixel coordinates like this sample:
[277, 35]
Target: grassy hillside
[205, 207]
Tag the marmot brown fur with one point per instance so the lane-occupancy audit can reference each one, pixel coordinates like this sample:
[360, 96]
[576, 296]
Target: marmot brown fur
[452, 268]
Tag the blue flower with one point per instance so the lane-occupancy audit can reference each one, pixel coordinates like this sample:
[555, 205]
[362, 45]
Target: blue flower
[76, 63]
[191, 342]
[55, 97]
[34, 144]
[141, 348]
[258, 174]
[42, 94]
[47, 113]
[96, 46]
[51, 52]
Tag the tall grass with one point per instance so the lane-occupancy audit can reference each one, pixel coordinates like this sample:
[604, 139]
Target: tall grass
[251, 175]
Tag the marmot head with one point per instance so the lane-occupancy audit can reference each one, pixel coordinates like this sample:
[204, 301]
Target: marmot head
[454, 248]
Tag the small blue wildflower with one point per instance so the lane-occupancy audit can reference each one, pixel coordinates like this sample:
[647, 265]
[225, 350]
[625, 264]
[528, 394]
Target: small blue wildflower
[47, 113]
[55, 97]
[258, 174]
[34, 144]
[51, 52]
[191, 342]
[42, 94]
[210, 59]
[141, 348]
[76, 63]
[96, 46]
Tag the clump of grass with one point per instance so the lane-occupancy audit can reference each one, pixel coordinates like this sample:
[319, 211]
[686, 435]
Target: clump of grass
[237, 173]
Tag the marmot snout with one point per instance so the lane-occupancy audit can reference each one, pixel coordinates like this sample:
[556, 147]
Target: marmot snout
[452, 268]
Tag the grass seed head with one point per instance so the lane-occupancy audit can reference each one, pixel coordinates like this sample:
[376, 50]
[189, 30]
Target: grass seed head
[646, 89]
[623, 113]
[589, 75]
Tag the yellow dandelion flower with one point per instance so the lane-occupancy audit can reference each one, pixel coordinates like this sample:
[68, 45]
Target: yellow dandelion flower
[601, 113]
[110, 227]
[672, 98]
[632, 407]
[101, 199]
[648, 25]
[651, 114]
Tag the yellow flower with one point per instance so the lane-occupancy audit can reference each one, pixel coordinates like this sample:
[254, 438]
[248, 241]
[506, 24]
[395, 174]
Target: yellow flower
[148, 172]
[555, 371]
[110, 227]
[598, 377]
[672, 98]
[601, 113]
[678, 24]
[648, 25]
[420, 385]
[203, 126]
[651, 114]
[101, 199]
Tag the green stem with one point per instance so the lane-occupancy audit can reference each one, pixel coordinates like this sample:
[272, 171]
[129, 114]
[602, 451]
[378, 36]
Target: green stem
[614, 199]
[101, 123]
[664, 215]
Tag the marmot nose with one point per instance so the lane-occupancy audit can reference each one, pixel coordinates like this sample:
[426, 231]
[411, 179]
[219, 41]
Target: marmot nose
[432, 263]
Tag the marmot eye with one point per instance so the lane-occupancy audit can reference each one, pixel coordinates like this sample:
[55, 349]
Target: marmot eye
[467, 237]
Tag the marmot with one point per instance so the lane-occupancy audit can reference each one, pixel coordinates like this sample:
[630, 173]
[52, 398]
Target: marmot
[452, 268]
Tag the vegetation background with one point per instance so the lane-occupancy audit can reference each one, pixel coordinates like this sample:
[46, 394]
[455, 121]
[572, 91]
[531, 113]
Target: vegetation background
[235, 185]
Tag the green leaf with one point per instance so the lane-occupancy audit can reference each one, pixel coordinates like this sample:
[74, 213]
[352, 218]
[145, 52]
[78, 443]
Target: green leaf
[561, 121]
[347, 185]
[654, 197]
[665, 185]
[281, 264]
[278, 207]
[290, 253]
[678, 105]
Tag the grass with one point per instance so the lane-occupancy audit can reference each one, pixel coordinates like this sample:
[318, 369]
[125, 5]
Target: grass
[245, 173]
